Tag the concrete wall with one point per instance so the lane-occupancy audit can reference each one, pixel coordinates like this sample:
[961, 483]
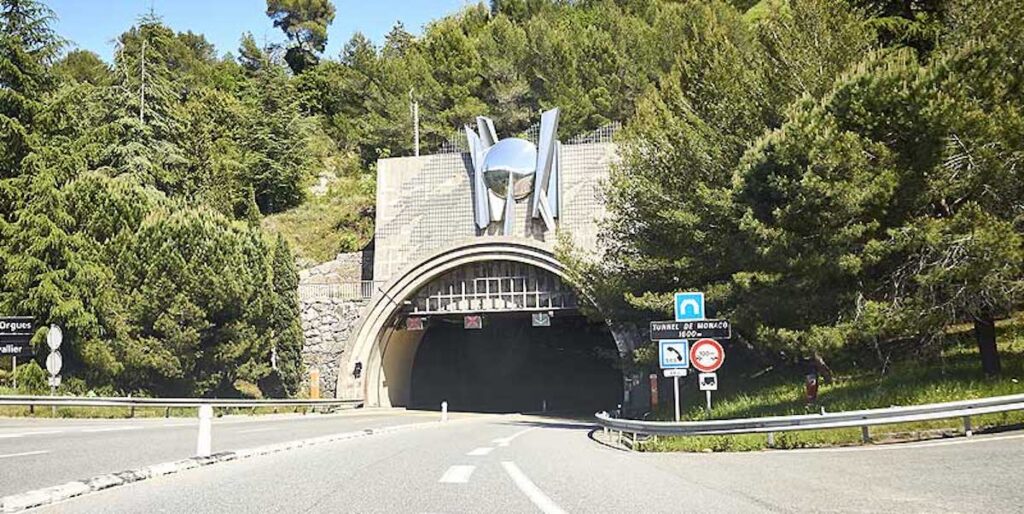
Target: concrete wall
[425, 204]
[399, 354]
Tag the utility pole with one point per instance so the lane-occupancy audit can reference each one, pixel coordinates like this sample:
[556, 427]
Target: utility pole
[142, 88]
[415, 124]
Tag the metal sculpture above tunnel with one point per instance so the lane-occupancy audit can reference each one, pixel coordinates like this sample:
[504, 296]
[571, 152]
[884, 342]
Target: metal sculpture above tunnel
[508, 170]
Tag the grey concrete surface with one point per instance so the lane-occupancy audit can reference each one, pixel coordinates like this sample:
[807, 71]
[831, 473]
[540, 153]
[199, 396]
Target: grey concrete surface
[36, 453]
[570, 472]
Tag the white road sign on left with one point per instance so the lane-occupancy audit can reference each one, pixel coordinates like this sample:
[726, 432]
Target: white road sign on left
[54, 337]
[54, 362]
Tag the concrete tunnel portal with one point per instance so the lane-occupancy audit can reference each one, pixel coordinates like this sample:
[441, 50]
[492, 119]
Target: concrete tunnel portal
[533, 350]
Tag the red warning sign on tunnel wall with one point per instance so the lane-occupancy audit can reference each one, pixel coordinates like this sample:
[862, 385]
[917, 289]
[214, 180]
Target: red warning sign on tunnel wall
[473, 321]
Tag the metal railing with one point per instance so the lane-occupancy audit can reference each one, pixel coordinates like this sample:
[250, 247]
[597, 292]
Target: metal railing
[355, 290]
[864, 419]
[119, 401]
[203, 405]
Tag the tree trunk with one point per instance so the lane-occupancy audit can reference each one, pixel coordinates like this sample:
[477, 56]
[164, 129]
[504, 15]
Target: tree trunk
[985, 333]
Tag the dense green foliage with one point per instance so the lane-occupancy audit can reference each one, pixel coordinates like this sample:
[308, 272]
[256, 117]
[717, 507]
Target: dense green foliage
[131, 200]
[835, 175]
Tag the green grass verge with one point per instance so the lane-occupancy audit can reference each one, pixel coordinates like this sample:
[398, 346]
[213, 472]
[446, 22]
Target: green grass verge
[953, 374]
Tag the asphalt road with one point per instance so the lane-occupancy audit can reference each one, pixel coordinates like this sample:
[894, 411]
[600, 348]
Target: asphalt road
[36, 453]
[528, 464]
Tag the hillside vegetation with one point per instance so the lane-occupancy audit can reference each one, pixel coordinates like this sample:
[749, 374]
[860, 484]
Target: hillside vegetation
[835, 174]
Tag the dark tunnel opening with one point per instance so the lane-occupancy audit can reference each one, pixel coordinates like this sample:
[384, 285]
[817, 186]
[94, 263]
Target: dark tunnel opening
[511, 366]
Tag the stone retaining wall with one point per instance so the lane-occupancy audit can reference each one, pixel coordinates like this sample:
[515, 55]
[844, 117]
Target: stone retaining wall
[327, 324]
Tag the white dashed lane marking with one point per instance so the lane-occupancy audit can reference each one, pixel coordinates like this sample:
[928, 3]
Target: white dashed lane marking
[480, 451]
[457, 474]
[541, 500]
[504, 441]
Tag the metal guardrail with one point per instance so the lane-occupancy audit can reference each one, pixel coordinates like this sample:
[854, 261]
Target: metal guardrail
[203, 405]
[864, 419]
[84, 401]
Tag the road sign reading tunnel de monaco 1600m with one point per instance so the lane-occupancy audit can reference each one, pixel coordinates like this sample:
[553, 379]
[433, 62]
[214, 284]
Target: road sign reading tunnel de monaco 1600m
[711, 328]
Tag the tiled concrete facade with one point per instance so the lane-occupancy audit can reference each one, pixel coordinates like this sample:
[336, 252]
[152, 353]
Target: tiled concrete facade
[425, 204]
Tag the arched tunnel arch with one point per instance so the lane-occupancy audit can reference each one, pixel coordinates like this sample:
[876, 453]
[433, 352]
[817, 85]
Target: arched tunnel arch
[509, 364]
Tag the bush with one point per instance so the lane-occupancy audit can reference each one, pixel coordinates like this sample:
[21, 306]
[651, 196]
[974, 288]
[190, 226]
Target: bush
[248, 389]
[31, 379]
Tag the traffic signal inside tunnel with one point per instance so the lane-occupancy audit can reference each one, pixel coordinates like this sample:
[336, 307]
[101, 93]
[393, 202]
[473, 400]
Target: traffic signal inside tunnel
[511, 366]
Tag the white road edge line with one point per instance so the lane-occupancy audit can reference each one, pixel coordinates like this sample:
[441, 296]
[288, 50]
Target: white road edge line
[504, 441]
[110, 429]
[458, 474]
[23, 434]
[480, 451]
[541, 500]
[24, 454]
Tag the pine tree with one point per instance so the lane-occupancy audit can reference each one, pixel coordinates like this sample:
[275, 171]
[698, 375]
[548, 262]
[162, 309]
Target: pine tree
[284, 323]
[305, 23]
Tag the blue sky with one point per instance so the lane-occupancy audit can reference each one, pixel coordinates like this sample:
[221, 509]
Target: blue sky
[94, 24]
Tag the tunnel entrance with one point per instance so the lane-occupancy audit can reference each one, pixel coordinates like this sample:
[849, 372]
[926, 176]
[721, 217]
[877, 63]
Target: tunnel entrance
[511, 366]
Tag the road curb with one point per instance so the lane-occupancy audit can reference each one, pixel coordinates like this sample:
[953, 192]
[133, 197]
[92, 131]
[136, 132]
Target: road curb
[59, 493]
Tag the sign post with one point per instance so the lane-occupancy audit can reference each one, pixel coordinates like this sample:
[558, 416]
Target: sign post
[654, 390]
[54, 361]
[706, 354]
[675, 389]
[674, 357]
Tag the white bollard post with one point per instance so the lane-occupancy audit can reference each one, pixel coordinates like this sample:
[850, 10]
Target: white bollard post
[205, 431]
[544, 406]
[444, 411]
